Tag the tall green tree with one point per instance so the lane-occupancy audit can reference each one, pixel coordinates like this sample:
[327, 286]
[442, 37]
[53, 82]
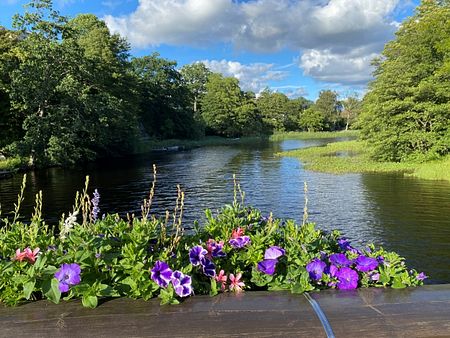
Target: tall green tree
[329, 106]
[351, 108]
[10, 119]
[165, 106]
[274, 109]
[73, 99]
[196, 76]
[406, 111]
[227, 110]
[312, 120]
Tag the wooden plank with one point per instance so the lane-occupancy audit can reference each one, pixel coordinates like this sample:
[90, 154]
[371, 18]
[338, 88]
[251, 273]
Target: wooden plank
[412, 312]
[252, 314]
[375, 312]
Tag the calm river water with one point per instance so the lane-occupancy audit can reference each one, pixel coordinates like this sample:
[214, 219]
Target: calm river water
[407, 215]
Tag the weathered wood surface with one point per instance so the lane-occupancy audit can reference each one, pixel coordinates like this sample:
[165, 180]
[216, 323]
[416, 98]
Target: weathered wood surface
[412, 312]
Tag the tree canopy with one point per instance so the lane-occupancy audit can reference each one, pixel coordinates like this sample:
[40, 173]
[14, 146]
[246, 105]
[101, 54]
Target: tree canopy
[406, 111]
[71, 92]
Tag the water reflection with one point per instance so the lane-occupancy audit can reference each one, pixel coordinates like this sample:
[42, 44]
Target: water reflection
[402, 214]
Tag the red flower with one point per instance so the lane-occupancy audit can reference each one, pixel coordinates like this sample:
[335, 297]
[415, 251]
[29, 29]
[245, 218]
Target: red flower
[27, 255]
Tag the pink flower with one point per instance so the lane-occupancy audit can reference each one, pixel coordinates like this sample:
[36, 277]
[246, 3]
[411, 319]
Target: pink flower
[27, 255]
[237, 233]
[235, 284]
[222, 279]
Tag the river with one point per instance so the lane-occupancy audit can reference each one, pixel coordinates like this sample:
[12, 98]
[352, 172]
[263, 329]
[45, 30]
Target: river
[407, 215]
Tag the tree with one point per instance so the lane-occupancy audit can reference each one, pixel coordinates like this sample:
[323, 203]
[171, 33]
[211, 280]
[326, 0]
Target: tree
[226, 110]
[406, 111]
[312, 120]
[351, 109]
[71, 86]
[10, 119]
[274, 109]
[329, 106]
[165, 107]
[196, 76]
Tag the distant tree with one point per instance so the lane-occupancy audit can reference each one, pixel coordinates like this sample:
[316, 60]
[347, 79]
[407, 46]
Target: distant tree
[351, 108]
[296, 108]
[329, 106]
[274, 109]
[165, 106]
[227, 110]
[406, 111]
[312, 120]
[196, 76]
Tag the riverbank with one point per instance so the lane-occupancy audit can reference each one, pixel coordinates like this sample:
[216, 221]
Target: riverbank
[306, 135]
[10, 166]
[184, 144]
[354, 157]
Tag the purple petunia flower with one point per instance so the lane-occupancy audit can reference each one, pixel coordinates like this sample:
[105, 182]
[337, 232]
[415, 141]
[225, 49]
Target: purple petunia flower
[365, 264]
[196, 255]
[344, 244]
[347, 279]
[239, 242]
[331, 270]
[421, 276]
[375, 277]
[315, 269]
[182, 284]
[161, 274]
[339, 259]
[68, 275]
[267, 266]
[214, 249]
[274, 252]
[95, 202]
[209, 269]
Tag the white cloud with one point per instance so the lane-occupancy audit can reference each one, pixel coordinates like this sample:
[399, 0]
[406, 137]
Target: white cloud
[177, 22]
[353, 67]
[291, 92]
[254, 77]
[326, 31]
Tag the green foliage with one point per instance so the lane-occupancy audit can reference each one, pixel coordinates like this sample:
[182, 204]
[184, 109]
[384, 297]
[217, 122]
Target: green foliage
[354, 157]
[227, 110]
[195, 76]
[405, 114]
[71, 86]
[329, 107]
[312, 120]
[165, 100]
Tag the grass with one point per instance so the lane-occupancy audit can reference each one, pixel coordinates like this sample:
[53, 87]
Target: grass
[436, 170]
[354, 157]
[11, 164]
[304, 135]
[150, 145]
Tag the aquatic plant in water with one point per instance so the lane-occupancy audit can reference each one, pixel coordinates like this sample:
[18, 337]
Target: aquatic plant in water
[235, 249]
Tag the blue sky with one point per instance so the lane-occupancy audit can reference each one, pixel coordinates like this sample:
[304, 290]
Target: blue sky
[293, 46]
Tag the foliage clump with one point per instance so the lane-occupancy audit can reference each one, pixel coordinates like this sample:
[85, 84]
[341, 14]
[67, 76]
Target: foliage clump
[406, 111]
[91, 257]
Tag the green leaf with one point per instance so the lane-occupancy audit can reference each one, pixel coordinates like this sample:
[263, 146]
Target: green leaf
[90, 301]
[213, 290]
[50, 288]
[397, 284]
[28, 289]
